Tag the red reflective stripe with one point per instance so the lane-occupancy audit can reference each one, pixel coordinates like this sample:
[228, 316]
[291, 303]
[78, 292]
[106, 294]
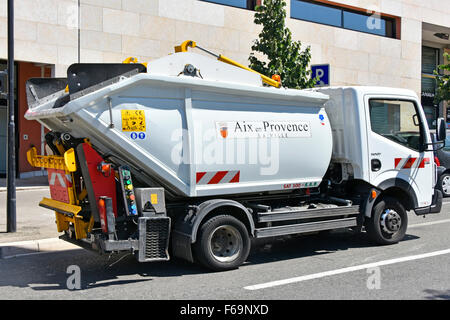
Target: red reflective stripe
[409, 163]
[424, 162]
[217, 177]
[58, 185]
[436, 160]
[235, 178]
[200, 176]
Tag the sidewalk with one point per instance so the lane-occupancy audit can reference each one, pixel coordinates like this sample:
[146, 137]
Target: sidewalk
[26, 184]
[36, 229]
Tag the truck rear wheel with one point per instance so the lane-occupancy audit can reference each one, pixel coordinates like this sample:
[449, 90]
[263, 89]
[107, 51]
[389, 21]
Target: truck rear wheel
[388, 223]
[222, 243]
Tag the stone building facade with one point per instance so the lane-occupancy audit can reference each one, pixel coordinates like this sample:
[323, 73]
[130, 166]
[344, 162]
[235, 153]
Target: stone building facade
[50, 35]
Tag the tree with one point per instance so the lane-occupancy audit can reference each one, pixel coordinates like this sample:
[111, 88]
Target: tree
[443, 82]
[284, 56]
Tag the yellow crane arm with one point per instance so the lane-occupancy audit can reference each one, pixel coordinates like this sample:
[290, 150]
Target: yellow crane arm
[189, 43]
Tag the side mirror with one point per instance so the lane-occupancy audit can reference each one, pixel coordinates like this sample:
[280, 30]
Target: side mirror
[441, 130]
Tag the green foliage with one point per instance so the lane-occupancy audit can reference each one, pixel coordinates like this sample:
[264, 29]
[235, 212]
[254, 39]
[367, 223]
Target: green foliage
[443, 82]
[284, 56]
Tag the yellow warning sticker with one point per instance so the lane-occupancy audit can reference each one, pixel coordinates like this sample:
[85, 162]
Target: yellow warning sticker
[154, 198]
[133, 120]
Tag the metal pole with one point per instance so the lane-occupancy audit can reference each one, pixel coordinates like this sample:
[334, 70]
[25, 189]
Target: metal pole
[11, 172]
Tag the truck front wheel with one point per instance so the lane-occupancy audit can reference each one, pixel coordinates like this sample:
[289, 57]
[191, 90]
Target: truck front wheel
[388, 223]
[222, 243]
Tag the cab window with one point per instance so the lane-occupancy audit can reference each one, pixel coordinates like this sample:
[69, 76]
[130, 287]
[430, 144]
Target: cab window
[396, 120]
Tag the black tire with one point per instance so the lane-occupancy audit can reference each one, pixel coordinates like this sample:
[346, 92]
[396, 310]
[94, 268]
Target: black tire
[388, 223]
[223, 243]
[443, 184]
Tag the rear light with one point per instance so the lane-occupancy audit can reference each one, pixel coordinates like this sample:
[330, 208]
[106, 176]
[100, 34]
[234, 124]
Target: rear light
[102, 213]
[104, 168]
[436, 160]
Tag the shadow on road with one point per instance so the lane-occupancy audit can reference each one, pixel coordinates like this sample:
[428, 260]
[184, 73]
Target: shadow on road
[49, 271]
[437, 294]
[320, 244]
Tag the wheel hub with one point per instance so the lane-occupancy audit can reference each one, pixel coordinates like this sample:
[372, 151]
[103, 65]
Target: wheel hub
[390, 221]
[225, 243]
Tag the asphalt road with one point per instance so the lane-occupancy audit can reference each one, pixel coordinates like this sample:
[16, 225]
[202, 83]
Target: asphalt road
[339, 265]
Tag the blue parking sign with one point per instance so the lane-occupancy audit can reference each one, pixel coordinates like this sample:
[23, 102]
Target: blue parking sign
[322, 71]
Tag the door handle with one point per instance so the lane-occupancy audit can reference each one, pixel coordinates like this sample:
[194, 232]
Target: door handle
[375, 164]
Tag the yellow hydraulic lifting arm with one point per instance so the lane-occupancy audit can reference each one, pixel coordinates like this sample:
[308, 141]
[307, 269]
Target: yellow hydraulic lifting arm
[189, 43]
[65, 212]
[66, 162]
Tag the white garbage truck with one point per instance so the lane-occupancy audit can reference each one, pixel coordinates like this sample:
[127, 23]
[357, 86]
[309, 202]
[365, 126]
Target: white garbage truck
[193, 157]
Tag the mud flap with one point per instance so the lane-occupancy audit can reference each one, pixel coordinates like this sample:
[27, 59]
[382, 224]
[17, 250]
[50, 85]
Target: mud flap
[436, 205]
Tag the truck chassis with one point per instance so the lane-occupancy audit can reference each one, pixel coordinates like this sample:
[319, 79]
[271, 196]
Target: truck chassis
[99, 205]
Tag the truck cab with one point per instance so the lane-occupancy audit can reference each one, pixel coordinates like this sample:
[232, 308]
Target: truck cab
[381, 137]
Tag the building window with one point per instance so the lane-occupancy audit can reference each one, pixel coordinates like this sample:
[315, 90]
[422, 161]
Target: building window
[430, 61]
[347, 18]
[245, 4]
[4, 119]
[4, 67]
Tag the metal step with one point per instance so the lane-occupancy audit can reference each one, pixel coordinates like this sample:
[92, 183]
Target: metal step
[305, 227]
[286, 215]
[154, 235]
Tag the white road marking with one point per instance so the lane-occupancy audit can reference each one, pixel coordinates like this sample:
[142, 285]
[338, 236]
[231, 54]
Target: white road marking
[428, 223]
[345, 270]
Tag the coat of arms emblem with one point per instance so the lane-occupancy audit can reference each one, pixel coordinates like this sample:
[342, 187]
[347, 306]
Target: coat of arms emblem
[223, 130]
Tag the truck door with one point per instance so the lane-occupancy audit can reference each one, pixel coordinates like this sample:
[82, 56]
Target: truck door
[396, 138]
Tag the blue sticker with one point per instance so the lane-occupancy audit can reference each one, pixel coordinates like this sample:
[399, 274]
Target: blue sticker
[141, 135]
[321, 117]
[134, 135]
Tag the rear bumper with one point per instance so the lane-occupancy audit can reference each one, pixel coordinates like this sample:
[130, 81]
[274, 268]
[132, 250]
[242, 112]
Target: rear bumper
[435, 207]
[152, 244]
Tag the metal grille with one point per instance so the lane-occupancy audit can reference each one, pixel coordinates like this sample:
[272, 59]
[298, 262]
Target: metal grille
[157, 231]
